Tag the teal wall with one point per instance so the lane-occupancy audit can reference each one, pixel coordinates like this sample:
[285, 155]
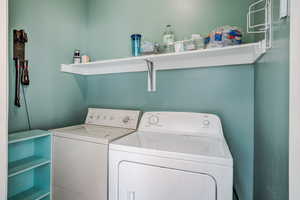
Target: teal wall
[55, 28]
[271, 115]
[102, 29]
[227, 92]
[111, 22]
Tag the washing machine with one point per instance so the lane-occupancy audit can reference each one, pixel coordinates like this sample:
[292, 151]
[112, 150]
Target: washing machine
[80, 153]
[172, 155]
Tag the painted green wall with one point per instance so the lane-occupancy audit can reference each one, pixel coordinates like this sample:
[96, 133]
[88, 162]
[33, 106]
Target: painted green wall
[111, 22]
[55, 28]
[227, 92]
[271, 115]
[102, 28]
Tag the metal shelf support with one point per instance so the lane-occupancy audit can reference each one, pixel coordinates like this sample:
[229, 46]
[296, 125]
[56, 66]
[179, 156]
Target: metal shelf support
[151, 76]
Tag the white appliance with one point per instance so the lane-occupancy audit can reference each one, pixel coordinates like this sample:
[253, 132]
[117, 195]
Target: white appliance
[80, 153]
[172, 156]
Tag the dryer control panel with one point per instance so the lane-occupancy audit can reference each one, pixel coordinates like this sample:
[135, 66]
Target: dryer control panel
[183, 123]
[113, 117]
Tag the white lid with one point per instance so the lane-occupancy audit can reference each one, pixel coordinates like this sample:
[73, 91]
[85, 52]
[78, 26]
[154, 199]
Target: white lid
[102, 125]
[183, 147]
[179, 135]
[92, 133]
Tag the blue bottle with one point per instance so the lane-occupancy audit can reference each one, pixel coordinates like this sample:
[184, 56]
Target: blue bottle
[136, 44]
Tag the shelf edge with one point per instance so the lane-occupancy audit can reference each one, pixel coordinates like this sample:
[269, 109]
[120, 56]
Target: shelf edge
[11, 141]
[29, 168]
[251, 53]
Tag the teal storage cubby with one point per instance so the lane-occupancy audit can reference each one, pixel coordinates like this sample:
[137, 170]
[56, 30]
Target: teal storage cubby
[29, 166]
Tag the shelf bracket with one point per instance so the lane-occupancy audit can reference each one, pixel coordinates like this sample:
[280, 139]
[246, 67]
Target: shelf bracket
[257, 9]
[151, 76]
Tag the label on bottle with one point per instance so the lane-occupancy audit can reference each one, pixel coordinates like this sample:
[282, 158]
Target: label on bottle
[76, 60]
[168, 39]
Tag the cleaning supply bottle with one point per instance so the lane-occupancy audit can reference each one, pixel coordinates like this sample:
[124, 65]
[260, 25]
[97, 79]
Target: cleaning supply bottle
[168, 39]
[76, 57]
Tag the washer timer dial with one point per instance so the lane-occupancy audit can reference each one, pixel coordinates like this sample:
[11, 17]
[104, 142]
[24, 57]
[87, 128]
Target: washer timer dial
[153, 120]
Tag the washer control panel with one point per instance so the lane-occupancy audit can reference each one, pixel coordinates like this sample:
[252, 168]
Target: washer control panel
[113, 117]
[181, 123]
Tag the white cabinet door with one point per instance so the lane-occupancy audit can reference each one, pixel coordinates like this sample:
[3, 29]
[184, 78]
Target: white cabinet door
[144, 182]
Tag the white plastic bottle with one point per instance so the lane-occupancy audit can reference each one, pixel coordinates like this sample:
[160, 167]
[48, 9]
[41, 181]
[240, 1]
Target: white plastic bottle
[168, 39]
[168, 36]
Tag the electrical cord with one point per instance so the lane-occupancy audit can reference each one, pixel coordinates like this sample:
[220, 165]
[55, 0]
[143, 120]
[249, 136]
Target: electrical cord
[235, 194]
[26, 107]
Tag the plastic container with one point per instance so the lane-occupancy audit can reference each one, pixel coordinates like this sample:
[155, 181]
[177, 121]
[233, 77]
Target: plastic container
[169, 48]
[225, 36]
[136, 44]
[179, 46]
[147, 48]
[189, 45]
[198, 40]
[168, 36]
[168, 40]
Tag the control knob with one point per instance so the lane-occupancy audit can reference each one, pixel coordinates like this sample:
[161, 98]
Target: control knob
[126, 119]
[153, 119]
[206, 122]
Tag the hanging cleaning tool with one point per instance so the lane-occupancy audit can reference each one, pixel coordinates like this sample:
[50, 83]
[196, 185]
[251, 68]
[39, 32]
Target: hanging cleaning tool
[21, 66]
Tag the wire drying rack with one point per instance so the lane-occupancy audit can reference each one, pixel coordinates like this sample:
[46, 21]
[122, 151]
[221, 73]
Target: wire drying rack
[261, 8]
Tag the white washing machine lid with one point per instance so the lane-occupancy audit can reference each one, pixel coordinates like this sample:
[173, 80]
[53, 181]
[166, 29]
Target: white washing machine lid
[92, 133]
[184, 147]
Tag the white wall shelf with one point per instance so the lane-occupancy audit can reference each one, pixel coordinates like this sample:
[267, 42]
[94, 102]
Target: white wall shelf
[226, 56]
[232, 55]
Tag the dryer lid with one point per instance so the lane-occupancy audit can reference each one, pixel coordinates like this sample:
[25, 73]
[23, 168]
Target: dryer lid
[184, 147]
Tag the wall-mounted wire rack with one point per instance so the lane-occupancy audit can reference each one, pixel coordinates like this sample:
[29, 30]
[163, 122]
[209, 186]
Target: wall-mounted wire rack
[257, 10]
